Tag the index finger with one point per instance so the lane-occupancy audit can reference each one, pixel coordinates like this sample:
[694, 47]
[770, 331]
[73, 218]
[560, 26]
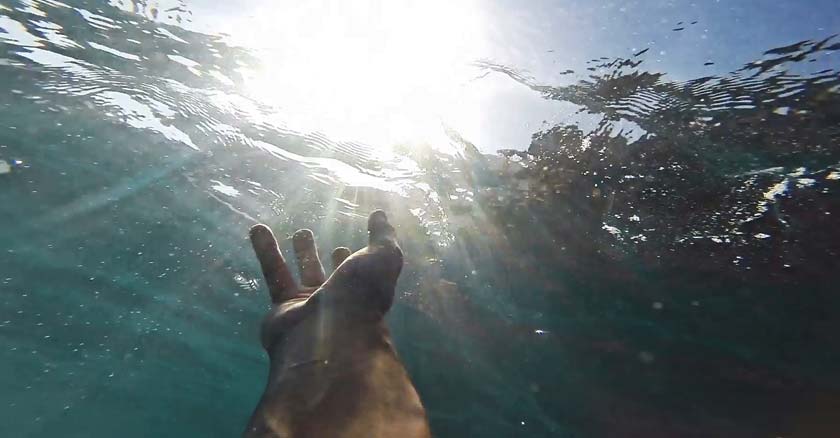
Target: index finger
[278, 278]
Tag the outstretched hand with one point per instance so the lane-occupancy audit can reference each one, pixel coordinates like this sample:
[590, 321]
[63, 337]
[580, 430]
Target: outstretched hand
[362, 284]
[333, 369]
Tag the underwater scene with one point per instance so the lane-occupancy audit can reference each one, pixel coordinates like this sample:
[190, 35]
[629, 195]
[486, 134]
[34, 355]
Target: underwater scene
[618, 219]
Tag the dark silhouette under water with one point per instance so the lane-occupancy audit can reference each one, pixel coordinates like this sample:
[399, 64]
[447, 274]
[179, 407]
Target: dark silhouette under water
[703, 250]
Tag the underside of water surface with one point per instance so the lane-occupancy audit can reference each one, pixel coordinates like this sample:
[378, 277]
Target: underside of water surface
[661, 261]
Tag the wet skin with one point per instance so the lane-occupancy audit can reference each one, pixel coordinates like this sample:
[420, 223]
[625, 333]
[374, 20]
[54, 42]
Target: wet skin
[334, 371]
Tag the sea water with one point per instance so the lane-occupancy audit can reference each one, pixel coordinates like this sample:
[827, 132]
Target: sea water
[660, 260]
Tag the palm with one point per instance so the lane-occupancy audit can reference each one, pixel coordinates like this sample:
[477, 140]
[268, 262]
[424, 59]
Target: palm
[289, 298]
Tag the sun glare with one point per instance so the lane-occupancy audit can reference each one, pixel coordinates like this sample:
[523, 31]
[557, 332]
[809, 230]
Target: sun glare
[380, 72]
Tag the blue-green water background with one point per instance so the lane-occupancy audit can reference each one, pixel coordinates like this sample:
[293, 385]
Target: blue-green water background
[678, 284]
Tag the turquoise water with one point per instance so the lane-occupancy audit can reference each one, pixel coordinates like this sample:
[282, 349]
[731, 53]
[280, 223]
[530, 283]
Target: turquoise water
[662, 262]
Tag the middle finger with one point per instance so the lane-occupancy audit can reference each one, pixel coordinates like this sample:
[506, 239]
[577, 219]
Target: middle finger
[311, 270]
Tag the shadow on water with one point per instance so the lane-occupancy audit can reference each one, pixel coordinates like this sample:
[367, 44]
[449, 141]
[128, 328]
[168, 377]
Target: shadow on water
[669, 270]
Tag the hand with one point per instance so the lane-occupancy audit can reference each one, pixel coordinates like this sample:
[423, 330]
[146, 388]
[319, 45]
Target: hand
[330, 353]
[362, 284]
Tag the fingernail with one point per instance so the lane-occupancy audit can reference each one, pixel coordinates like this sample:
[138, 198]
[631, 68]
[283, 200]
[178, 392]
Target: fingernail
[377, 220]
[259, 233]
[302, 238]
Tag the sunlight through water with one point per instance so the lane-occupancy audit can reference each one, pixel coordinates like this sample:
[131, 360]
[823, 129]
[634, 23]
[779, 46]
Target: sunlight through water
[372, 71]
